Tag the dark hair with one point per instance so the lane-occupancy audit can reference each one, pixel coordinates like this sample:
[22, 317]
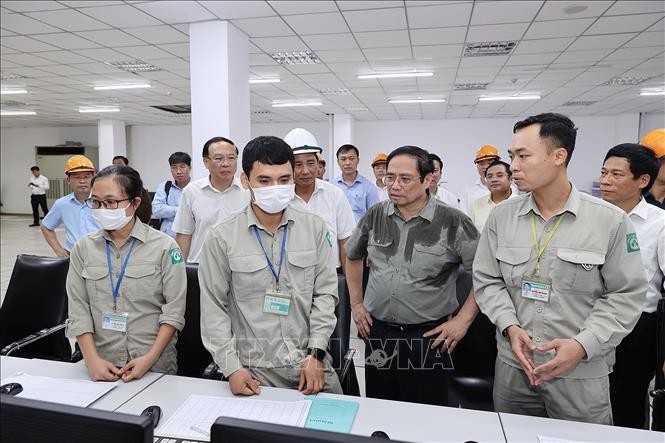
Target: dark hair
[502, 163]
[557, 129]
[213, 140]
[433, 158]
[641, 161]
[425, 165]
[124, 159]
[180, 157]
[35, 168]
[268, 150]
[132, 185]
[346, 148]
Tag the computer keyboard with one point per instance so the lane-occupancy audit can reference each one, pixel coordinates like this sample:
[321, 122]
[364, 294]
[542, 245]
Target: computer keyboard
[174, 440]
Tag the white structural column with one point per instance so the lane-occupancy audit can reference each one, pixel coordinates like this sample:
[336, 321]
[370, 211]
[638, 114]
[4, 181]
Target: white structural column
[342, 134]
[219, 84]
[112, 140]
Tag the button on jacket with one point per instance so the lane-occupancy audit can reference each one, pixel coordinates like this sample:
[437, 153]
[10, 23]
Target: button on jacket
[234, 276]
[593, 259]
[153, 291]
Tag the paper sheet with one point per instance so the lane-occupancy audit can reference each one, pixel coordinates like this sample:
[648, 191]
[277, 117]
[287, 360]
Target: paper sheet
[544, 439]
[60, 390]
[197, 414]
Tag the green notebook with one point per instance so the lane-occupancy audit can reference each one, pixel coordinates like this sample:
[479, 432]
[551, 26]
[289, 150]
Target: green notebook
[329, 414]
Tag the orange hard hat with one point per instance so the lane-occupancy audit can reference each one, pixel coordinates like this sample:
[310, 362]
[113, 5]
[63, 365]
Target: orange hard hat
[381, 157]
[485, 152]
[79, 163]
[655, 140]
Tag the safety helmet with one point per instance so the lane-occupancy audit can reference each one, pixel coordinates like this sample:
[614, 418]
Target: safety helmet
[485, 152]
[655, 140]
[381, 157]
[78, 163]
[302, 142]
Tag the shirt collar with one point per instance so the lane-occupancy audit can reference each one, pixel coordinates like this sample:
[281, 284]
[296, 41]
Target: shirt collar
[359, 179]
[572, 204]
[139, 232]
[287, 217]
[206, 182]
[641, 210]
[427, 212]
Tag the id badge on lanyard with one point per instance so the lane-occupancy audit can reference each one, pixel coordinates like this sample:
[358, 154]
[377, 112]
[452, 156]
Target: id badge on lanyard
[116, 321]
[535, 286]
[275, 301]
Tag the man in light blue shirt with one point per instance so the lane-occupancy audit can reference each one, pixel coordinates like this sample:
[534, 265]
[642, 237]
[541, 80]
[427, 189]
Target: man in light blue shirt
[71, 209]
[167, 197]
[361, 193]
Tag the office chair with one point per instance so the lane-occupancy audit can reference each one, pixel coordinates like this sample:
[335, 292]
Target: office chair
[339, 348]
[472, 381]
[34, 310]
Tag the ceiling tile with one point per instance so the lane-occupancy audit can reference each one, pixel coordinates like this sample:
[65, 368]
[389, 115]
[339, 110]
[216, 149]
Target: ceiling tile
[25, 25]
[145, 52]
[558, 28]
[437, 51]
[439, 16]
[324, 23]
[489, 33]
[300, 7]
[66, 40]
[370, 4]
[89, 3]
[158, 34]
[307, 69]
[487, 13]
[263, 27]
[261, 60]
[636, 54]
[63, 70]
[388, 53]
[342, 55]
[583, 56]
[65, 57]
[121, 16]
[102, 55]
[23, 6]
[623, 23]
[544, 45]
[330, 41]
[171, 63]
[26, 44]
[437, 36]
[280, 44]
[532, 59]
[624, 7]
[647, 39]
[176, 11]
[239, 9]
[68, 19]
[27, 59]
[110, 38]
[612, 41]
[179, 49]
[97, 68]
[376, 20]
[382, 39]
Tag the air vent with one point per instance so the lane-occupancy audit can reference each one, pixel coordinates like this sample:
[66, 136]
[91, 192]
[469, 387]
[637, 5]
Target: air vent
[335, 91]
[263, 115]
[174, 109]
[10, 76]
[626, 80]
[470, 86]
[489, 48]
[134, 66]
[579, 103]
[13, 103]
[295, 58]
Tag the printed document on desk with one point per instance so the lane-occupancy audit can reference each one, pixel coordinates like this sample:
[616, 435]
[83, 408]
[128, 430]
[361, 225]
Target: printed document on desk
[60, 390]
[329, 414]
[197, 414]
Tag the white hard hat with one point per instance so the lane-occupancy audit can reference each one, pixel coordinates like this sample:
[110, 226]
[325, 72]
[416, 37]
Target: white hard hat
[302, 142]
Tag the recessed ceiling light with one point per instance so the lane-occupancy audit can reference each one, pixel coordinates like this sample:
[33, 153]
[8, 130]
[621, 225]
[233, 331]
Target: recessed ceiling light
[395, 75]
[625, 80]
[87, 109]
[575, 9]
[128, 86]
[509, 97]
[13, 91]
[263, 80]
[579, 103]
[134, 66]
[647, 93]
[10, 76]
[295, 58]
[416, 100]
[9, 113]
[470, 86]
[293, 104]
[489, 48]
[335, 91]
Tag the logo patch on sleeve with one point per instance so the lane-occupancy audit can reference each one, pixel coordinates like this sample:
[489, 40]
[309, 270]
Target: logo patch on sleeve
[176, 256]
[329, 239]
[632, 245]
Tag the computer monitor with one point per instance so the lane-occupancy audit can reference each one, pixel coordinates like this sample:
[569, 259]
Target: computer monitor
[235, 430]
[33, 421]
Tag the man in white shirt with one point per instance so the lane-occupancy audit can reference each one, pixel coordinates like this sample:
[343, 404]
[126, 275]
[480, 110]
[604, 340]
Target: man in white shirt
[485, 155]
[38, 186]
[498, 177]
[379, 165]
[628, 172]
[439, 191]
[209, 200]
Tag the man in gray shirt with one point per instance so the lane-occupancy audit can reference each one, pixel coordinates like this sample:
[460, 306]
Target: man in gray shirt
[414, 244]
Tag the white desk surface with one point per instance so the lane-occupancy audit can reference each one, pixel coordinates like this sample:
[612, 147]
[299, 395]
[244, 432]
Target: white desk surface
[77, 371]
[171, 391]
[526, 429]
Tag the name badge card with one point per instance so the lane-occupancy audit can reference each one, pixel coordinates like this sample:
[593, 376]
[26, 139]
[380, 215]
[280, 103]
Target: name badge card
[536, 288]
[115, 321]
[276, 302]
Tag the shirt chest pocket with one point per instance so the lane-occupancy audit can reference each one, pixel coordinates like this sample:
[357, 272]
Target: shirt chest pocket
[302, 267]
[513, 263]
[249, 276]
[97, 282]
[577, 271]
[379, 251]
[427, 261]
[141, 281]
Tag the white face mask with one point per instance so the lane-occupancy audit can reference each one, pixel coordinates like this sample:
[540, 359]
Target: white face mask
[274, 199]
[111, 219]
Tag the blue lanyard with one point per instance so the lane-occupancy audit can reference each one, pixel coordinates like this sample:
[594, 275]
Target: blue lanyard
[115, 289]
[281, 255]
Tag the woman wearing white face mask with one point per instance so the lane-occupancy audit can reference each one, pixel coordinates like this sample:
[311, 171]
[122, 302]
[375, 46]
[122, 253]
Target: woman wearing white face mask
[126, 285]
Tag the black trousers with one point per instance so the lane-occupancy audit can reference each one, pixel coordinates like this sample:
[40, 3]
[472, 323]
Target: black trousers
[36, 201]
[634, 368]
[400, 366]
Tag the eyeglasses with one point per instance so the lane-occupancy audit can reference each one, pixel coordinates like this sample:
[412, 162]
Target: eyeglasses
[222, 159]
[390, 179]
[93, 203]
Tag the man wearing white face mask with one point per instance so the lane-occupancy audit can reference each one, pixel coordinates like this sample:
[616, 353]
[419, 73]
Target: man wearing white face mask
[268, 284]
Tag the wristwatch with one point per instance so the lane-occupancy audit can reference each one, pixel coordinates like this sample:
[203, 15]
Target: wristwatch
[318, 354]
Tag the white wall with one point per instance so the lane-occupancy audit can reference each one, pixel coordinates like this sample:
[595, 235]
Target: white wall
[651, 122]
[17, 155]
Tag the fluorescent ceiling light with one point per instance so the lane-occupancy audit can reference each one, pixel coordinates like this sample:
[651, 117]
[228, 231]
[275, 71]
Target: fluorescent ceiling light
[294, 104]
[645, 93]
[263, 80]
[85, 109]
[3, 112]
[112, 87]
[416, 100]
[395, 75]
[509, 97]
[13, 91]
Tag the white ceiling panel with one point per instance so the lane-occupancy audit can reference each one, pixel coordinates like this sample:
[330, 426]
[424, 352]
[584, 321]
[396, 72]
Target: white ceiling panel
[490, 33]
[383, 39]
[324, 23]
[26, 44]
[558, 28]
[69, 20]
[110, 38]
[89, 3]
[437, 51]
[544, 45]
[174, 11]
[27, 59]
[300, 7]
[376, 20]
[532, 59]
[342, 55]
[263, 27]
[145, 52]
[438, 36]
[238, 9]
[487, 13]
[400, 53]
[625, 7]
[65, 57]
[440, 16]
[122, 16]
[623, 23]
[102, 55]
[556, 10]
[587, 42]
[158, 34]
[179, 49]
[368, 4]
[66, 40]
[280, 44]
[330, 41]
[21, 24]
[647, 39]
[33, 5]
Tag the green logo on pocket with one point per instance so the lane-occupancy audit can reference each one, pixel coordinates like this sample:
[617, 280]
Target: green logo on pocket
[176, 256]
[632, 245]
[329, 239]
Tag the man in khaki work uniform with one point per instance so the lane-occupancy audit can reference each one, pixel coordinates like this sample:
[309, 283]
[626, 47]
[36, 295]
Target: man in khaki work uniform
[560, 274]
[268, 284]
